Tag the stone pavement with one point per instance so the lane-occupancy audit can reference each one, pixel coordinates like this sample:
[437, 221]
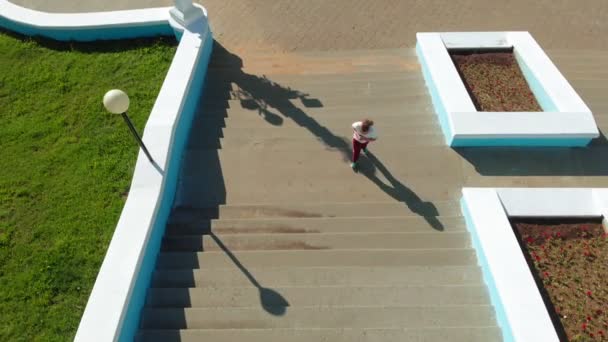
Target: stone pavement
[245, 25]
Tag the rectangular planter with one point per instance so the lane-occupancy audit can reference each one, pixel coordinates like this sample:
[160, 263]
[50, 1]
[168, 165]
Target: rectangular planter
[521, 312]
[567, 257]
[565, 120]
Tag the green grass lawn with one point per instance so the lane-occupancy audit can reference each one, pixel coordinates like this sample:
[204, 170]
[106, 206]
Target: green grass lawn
[65, 169]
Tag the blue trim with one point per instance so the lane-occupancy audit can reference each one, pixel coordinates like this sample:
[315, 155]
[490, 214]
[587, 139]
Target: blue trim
[437, 103]
[131, 321]
[522, 142]
[499, 308]
[90, 34]
[543, 99]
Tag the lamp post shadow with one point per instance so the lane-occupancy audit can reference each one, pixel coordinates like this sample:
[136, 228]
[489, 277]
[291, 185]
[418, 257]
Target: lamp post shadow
[272, 301]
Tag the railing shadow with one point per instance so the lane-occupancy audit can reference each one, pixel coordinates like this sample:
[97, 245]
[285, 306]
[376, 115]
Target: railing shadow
[272, 101]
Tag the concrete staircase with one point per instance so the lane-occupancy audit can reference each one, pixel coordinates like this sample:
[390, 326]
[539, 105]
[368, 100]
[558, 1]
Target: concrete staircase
[587, 72]
[275, 238]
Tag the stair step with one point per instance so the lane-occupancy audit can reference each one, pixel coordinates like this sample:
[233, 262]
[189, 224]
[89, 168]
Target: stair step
[585, 86]
[301, 143]
[320, 54]
[591, 53]
[297, 60]
[399, 114]
[335, 118]
[313, 58]
[577, 52]
[595, 94]
[317, 258]
[255, 121]
[421, 98]
[307, 87]
[305, 91]
[600, 105]
[389, 111]
[319, 94]
[290, 64]
[581, 59]
[319, 317]
[333, 241]
[223, 77]
[581, 67]
[323, 175]
[340, 137]
[308, 210]
[303, 67]
[317, 296]
[326, 161]
[315, 225]
[355, 53]
[598, 109]
[419, 195]
[328, 158]
[460, 334]
[321, 276]
[582, 78]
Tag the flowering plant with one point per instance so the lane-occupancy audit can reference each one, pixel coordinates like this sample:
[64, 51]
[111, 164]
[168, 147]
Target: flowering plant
[570, 263]
[495, 82]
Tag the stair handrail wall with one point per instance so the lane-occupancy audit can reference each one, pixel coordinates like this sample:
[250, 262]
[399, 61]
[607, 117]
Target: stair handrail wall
[114, 306]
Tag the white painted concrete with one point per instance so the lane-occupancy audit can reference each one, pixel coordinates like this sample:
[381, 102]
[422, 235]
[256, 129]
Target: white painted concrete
[522, 303]
[106, 307]
[473, 40]
[450, 88]
[510, 124]
[555, 84]
[185, 13]
[82, 20]
[571, 120]
[549, 202]
[489, 210]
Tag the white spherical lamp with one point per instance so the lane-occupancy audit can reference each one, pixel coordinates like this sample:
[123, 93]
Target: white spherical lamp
[116, 101]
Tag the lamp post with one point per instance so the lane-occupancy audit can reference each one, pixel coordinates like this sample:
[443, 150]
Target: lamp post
[117, 102]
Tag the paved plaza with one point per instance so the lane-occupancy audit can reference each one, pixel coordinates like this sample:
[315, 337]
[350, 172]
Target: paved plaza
[245, 25]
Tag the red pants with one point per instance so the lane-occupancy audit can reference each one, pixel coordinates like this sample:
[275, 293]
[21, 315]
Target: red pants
[357, 147]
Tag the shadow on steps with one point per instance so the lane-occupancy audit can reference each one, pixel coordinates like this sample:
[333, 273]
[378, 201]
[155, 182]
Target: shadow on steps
[273, 102]
[401, 193]
[271, 300]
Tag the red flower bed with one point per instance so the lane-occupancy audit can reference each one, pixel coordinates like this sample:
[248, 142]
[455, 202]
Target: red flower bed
[495, 82]
[570, 262]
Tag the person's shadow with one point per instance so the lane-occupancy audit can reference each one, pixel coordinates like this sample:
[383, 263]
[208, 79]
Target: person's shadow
[400, 192]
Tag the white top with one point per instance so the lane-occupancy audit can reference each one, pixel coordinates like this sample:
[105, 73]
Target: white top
[363, 137]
